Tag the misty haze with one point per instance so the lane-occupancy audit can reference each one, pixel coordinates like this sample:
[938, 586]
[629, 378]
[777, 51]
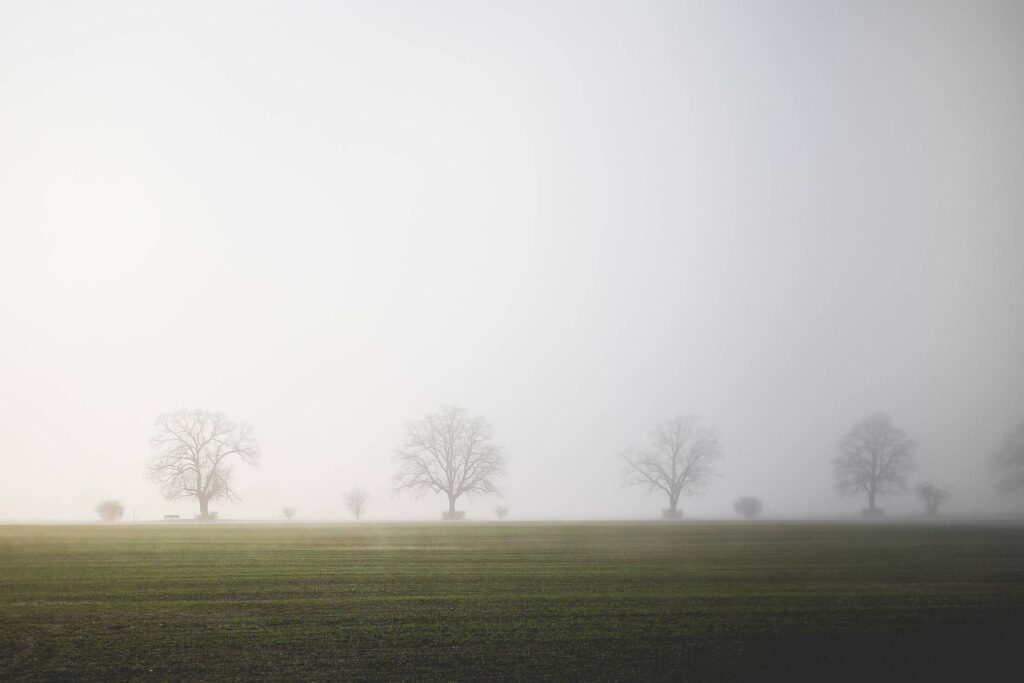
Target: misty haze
[461, 340]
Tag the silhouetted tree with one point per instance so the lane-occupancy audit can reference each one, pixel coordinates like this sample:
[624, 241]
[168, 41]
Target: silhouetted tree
[501, 511]
[288, 512]
[110, 510]
[873, 458]
[1008, 461]
[449, 452]
[194, 453]
[680, 459]
[748, 507]
[933, 497]
[356, 500]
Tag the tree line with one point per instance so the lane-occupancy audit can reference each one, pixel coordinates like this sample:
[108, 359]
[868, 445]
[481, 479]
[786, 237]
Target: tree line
[453, 453]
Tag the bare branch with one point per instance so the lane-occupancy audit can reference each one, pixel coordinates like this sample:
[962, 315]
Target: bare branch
[449, 452]
[873, 458]
[356, 500]
[680, 459]
[1008, 461]
[194, 448]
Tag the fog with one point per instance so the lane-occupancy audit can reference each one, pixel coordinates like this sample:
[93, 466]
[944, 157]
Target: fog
[574, 218]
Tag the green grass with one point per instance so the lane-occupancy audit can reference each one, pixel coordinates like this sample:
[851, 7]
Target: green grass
[469, 601]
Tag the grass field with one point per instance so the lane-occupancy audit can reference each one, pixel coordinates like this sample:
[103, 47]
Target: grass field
[698, 601]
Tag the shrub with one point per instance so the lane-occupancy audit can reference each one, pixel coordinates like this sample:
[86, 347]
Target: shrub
[110, 510]
[748, 507]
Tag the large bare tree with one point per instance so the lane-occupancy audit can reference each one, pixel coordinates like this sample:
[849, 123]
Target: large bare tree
[873, 458]
[195, 452]
[1008, 461]
[449, 452]
[356, 500]
[680, 459]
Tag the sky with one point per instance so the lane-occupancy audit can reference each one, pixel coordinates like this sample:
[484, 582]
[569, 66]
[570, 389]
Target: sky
[574, 218]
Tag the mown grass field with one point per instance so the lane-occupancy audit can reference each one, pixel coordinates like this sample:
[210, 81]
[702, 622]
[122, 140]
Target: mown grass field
[699, 601]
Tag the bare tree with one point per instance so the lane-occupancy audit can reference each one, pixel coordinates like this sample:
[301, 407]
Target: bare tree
[194, 453]
[110, 510]
[933, 497]
[748, 507]
[356, 500]
[288, 512]
[1008, 461]
[680, 459]
[501, 511]
[449, 452]
[873, 458]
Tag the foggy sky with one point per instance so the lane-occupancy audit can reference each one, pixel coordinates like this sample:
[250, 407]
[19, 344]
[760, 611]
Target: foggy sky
[575, 218]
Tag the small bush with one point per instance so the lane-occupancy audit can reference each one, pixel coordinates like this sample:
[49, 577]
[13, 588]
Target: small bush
[110, 510]
[451, 516]
[672, 514]
[748, 507]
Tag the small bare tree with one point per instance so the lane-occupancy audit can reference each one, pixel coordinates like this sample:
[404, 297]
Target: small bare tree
[110, 510]
[748, 507]
[288, 512]
[680, 459]
[356, 500]
[501, 511]
[449, 452]
[932, 496]
[1008, 461]
[194, 453]
[873, 458]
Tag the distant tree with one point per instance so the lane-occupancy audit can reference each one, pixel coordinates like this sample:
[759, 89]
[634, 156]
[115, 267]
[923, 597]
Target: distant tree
[680, 459]
[288, 512]
[194, 453]
[933, 497]
[501, 511]
[748, 507]
[449, 452]
[873, 458]
[110, 510]
[1008, 461]
[356, 500]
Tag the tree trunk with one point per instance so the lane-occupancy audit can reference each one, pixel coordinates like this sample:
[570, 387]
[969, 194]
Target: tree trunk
[204, 508]
[871, 500]
[673, 503]
[451, 508]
